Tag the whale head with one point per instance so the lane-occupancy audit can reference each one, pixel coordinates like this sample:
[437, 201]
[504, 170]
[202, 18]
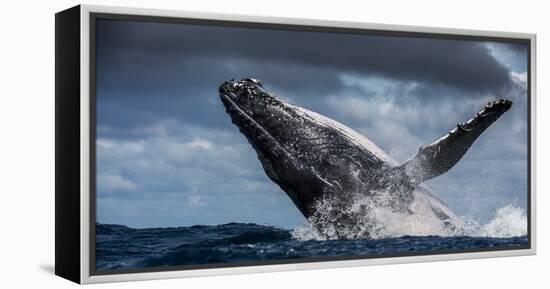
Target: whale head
[306, 154]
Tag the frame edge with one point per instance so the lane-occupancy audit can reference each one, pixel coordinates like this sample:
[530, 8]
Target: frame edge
[67, 139]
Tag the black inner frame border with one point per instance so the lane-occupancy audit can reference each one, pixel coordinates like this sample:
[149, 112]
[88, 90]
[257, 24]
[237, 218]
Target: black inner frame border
[286, 27]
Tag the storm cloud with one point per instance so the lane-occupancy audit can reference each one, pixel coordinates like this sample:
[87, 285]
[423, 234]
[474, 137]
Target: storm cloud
[455, 63]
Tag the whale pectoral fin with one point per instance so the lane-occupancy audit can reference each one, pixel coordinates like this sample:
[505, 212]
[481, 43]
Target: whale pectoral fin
[438, 157]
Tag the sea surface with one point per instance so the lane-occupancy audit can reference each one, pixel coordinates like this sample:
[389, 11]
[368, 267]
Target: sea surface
[121, 247]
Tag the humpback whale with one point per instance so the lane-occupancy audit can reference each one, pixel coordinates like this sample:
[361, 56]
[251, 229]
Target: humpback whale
[320, 163]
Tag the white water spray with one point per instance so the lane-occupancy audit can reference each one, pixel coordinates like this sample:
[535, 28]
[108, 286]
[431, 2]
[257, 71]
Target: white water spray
[379, 220]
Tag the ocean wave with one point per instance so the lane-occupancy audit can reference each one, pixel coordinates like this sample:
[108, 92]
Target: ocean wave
[120, 247]
[379, 230]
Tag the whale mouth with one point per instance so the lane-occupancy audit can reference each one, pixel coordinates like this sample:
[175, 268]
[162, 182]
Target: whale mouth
[243, 119]
[267, 147]
[238, 116]
[258, 136]
[241, 100]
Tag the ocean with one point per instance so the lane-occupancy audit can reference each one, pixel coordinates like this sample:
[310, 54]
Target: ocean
[122, 247]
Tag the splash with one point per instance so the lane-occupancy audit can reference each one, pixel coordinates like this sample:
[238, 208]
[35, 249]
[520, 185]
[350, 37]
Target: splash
[508, 221]
[376, 218]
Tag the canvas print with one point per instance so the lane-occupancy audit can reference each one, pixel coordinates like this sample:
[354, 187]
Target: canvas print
[230, 144]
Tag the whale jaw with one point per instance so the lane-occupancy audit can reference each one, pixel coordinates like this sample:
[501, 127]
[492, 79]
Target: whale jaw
[266, 146]
[280, 165]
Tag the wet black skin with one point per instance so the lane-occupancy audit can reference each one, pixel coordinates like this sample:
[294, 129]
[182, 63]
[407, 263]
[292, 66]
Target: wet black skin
[311, 161]
[306, 159]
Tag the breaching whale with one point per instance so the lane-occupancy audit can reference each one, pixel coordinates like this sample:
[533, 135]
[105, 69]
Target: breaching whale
[321, 163]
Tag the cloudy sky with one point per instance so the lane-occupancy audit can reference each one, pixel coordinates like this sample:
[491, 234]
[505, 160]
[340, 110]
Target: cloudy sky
[168, 154]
